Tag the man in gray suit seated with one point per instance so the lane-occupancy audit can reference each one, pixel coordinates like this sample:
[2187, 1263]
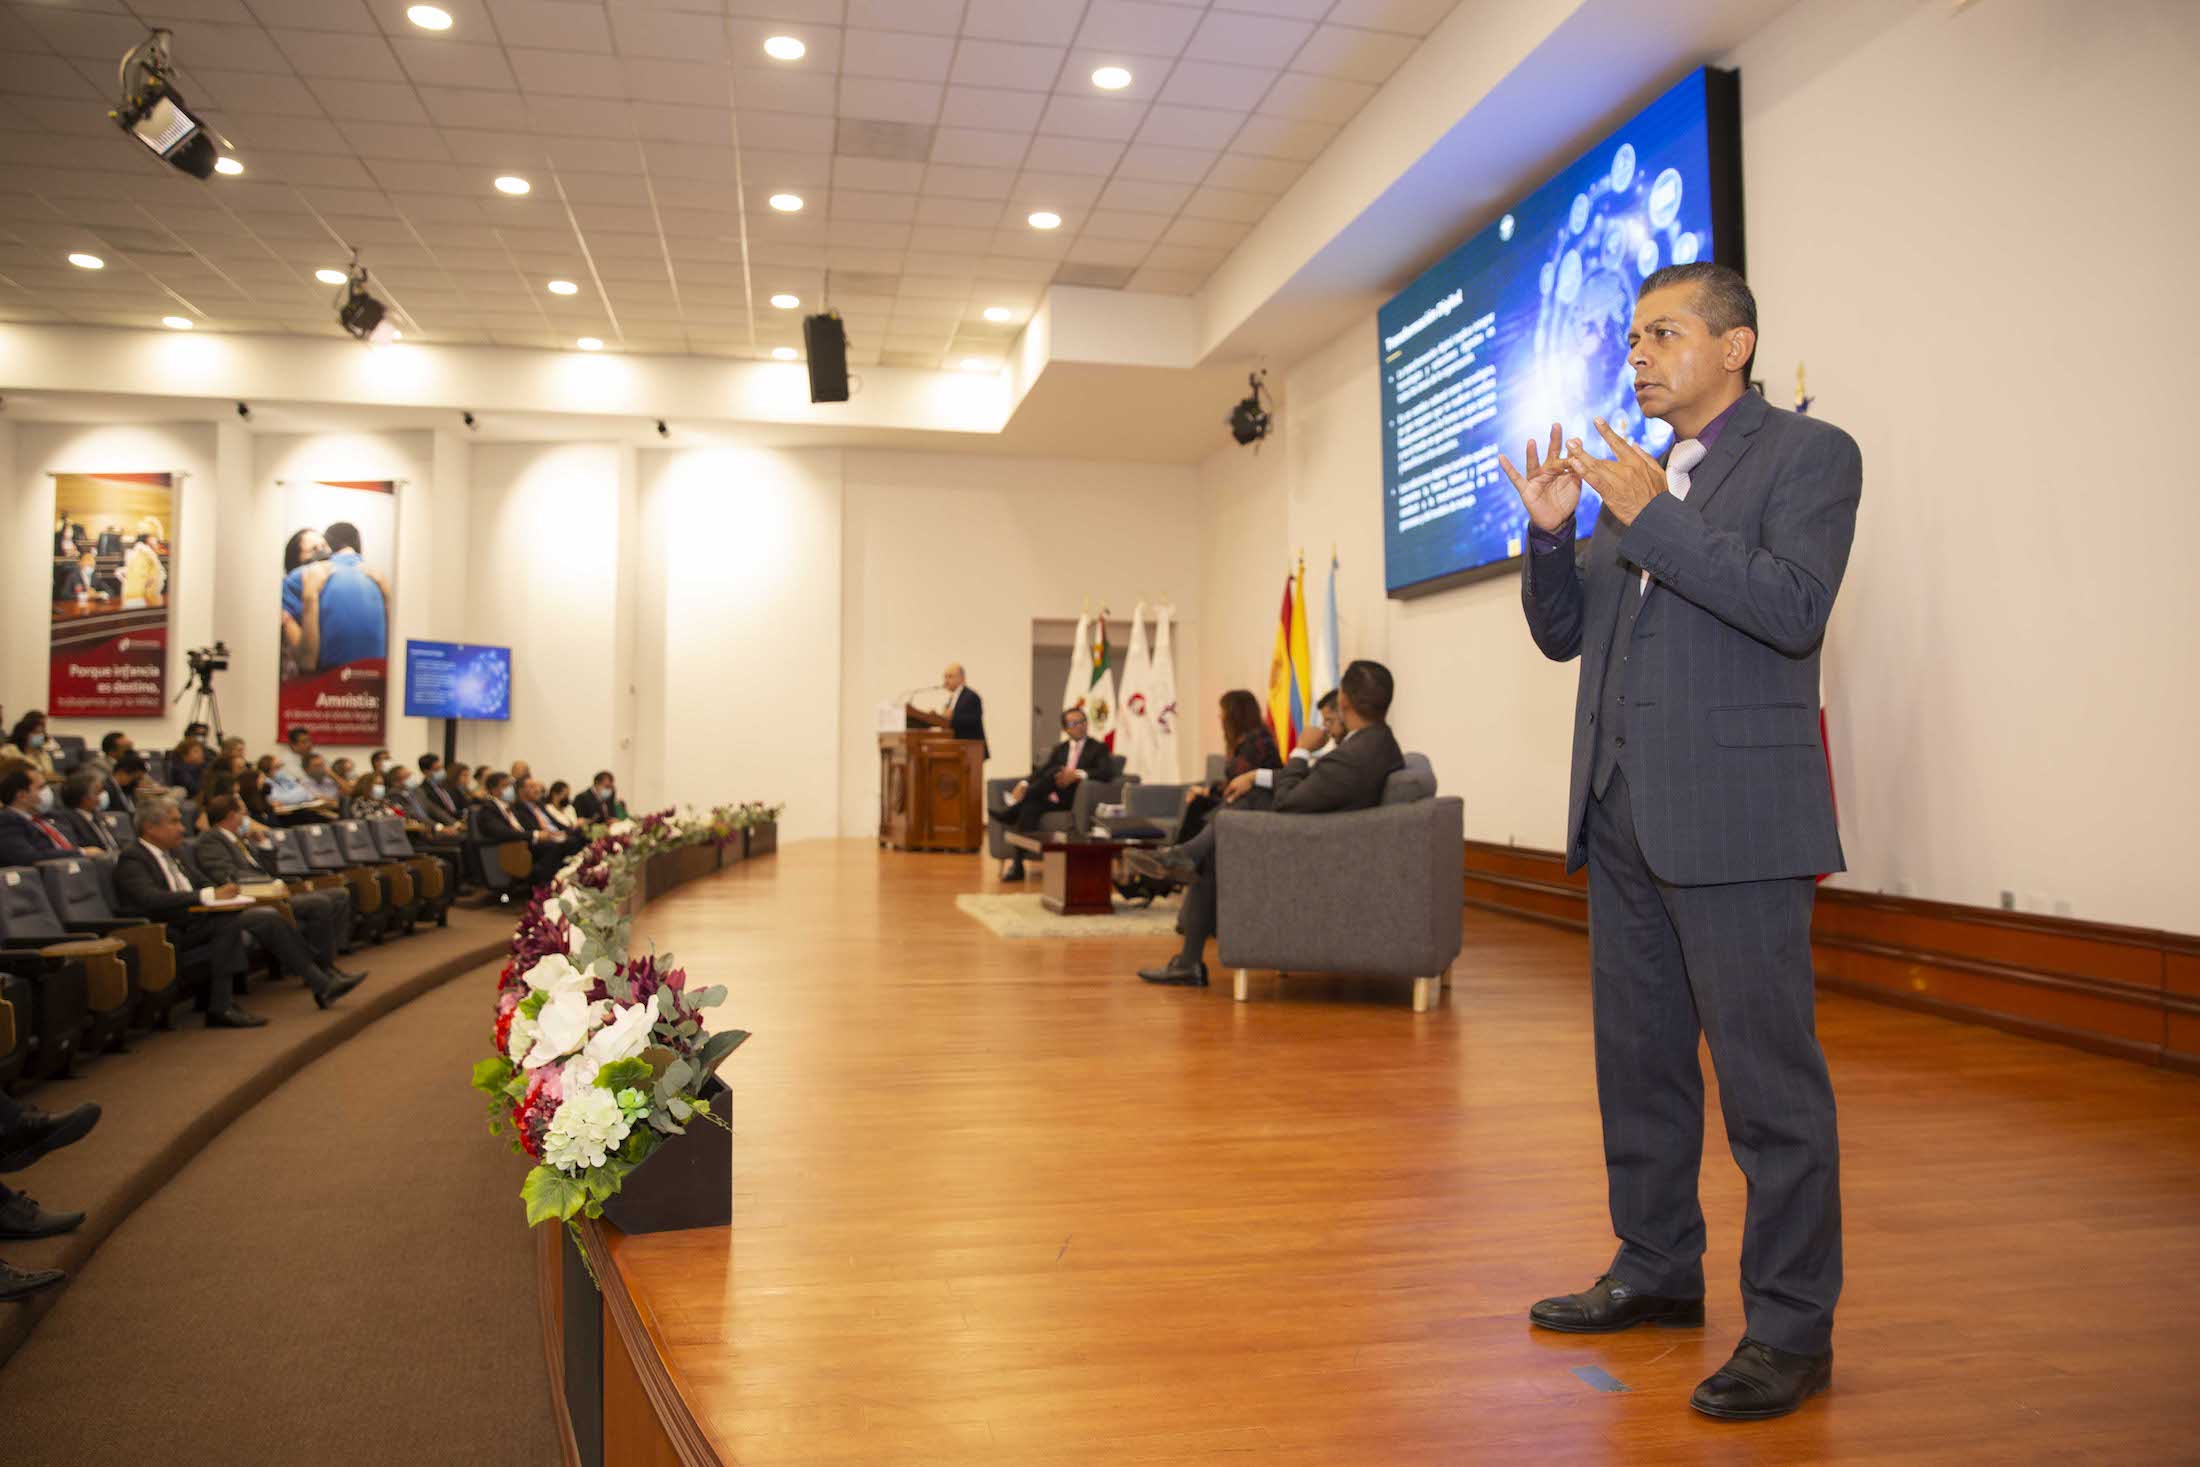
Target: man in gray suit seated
[1700, 804]
[227, 855]
[1316, 780]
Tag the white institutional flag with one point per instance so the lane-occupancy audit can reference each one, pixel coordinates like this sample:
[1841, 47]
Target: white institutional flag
[1160, 746]
[1133, 718]
[1079, 681]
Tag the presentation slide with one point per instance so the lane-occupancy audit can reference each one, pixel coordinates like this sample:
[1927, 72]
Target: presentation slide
[457, 680]
[1525, 324]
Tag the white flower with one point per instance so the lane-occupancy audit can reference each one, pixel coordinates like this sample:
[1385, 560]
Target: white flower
[622, 827]
[564, 1025]
[519, 1038]
[625, 1037]
[586, 1129]
[555, 974]
[579, 1072]
[551, 910]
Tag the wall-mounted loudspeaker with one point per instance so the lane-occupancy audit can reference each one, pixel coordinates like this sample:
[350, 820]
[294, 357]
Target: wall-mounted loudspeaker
[825, 344]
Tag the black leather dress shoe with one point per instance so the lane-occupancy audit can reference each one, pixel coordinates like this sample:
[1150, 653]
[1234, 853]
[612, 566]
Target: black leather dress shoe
[1015, 871]
[1608, 1305]
[22, 1217]
[21, 1283]
[1168, 863]
[235, 1018]
[344, 983]
[1760, 1382]
[1177, 974]
[36, 1133]
[355, 976]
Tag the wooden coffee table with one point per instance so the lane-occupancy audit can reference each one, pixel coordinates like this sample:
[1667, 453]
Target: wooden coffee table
[1077, 873]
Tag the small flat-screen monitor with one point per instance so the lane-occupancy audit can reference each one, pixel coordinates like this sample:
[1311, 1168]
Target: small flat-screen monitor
[457, 680]
[1525, 324]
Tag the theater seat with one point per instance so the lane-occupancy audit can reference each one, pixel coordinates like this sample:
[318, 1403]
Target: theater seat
[317, 842]
[81, 988]
[506, 864]
[75, 891]
[429, 884]
[356, 844]
[15, 1028]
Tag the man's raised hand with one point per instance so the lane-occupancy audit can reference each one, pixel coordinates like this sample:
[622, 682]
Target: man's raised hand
[1551, 487]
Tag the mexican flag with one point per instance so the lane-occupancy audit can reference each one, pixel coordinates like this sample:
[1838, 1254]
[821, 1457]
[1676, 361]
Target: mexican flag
[1100, 695]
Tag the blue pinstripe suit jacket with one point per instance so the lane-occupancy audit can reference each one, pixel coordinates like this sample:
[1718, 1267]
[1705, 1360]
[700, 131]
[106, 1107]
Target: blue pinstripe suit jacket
[1724, 763]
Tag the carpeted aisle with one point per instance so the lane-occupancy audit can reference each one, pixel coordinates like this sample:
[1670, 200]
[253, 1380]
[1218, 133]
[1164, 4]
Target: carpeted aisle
[340, 1277]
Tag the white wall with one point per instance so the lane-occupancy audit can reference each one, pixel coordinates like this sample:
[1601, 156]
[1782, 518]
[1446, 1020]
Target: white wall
[950, 558]
[1941, 223]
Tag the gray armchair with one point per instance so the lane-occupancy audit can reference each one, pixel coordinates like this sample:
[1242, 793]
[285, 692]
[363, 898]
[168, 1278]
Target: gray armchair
[1373, 893]
[1091, 795]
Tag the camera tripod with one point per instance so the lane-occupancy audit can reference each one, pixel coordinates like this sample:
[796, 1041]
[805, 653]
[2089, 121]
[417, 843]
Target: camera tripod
[206, 708]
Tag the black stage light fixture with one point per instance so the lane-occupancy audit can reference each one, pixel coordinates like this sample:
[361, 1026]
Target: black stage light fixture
[244, 411]
[467, 419]
[662, 430]
[1250, 419]
[154, 112]
[358, 312]
[825, 344]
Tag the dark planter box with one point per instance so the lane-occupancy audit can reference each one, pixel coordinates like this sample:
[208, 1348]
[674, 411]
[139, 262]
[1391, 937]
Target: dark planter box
[760, 840]
[686, 1183]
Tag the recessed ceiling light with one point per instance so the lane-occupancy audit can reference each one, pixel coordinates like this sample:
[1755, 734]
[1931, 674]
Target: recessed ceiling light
[785, 48]
[783, 353]
[999, 313]
[1111, 78]
[176, 323]
[228, 165]
[564, 287]
[330, 277]
[1045, 219]
[977, 364]
[429, 17]
[787, 203]
[590, 343]
[513, 184]
[786, 302]
[87, 262]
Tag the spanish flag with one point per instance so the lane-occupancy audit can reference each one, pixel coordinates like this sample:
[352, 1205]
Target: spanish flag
[1290, 666]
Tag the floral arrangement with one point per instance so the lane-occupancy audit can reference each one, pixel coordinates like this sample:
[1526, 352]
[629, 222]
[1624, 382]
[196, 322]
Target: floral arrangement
[601, 1056]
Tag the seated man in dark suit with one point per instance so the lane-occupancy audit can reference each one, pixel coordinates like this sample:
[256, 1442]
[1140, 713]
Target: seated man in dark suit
[1052, 787]
[435, 802]
[228, 858]
[156, 878]
[600, 804]
[1318, 779]
[27, 836]
[549, 838]
[499, 822]
[83, 794]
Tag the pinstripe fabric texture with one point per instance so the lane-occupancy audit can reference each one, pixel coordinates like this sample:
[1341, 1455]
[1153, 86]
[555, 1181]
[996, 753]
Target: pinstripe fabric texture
[1700, 805]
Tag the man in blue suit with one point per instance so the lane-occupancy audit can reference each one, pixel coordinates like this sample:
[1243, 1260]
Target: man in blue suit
[1701, 806]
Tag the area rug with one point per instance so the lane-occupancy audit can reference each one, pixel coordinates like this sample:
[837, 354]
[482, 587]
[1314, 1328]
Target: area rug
[1019, 914]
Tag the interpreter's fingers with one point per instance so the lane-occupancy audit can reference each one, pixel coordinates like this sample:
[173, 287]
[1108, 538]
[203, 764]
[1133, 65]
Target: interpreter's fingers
[1512, 473]
[1613, 440]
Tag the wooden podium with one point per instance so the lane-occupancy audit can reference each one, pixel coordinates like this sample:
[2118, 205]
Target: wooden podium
[931, 792]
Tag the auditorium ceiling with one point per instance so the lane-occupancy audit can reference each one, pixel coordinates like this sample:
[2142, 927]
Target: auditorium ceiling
[919, 135]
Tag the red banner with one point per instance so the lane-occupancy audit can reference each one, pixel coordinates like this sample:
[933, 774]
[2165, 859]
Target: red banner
[108, 649]
[336, 607]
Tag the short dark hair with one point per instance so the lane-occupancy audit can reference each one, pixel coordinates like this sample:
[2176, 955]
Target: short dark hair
[107, 743]
[1079, 712]
[12, 785]
[297, 731]
[217, 809]
[429, 761]
[1327, 702]
[343, 535]
[605, 774]
[495, 780]
[1368, 685]
[1722, 297]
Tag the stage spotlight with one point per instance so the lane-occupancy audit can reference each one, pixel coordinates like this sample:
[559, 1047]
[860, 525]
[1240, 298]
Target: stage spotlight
[1250, 419]
[244, 411]
[662, 430]
[227, 166]
[154, 112]
[468, 420]
[361, 314]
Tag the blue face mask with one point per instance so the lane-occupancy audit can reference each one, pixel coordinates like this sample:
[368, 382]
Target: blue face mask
[506, 794]
[435, 776]
[38, 741]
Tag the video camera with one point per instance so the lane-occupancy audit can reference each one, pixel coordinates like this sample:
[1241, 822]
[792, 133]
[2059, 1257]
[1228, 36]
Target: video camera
[206, 661]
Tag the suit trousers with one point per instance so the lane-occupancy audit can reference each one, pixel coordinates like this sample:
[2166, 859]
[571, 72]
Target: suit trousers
[1731, 963]
[217, 939]
[266, 927]
[324, 917]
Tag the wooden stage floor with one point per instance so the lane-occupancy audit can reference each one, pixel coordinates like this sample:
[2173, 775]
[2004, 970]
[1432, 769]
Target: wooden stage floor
[999, 1202]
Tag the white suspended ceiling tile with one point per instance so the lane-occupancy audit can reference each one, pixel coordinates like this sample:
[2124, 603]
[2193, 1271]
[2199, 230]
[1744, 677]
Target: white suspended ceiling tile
[1409, 17]
[592, 154]
[950, 181]
[1190, 127]
[1247, 40]
[321, 15]
[601, 116]
[931, 17]
[1160, 164]
[877, 175]
[896, 55]
[1219, 234]
[781, 91]
[491, 150]
[878, 100]
[316, 54]
[971, 147]
[1213, 84]
[1279, 137]
[1092, 117]
[1138, 27]
[1074, 155]
[1102, 251]
[250, 91]
[1147, 197]
[1005, 64]
[690, 83]
[1051, 22]
[822, 12]
[553, 25]
[1060, 192]
[671, 34]
[1304, 98]
[995, 108]
[1356, 55]
[1123, 224]
[1289, 9]
[449, 64]
[793, 132]
[745, 40]
[1167, 282]
[876, 208]
[1147, 74]
[458, 107]
[1250, 174]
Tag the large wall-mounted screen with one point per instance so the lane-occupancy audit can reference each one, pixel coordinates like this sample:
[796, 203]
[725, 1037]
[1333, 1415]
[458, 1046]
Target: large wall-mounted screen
[1525, 324]
[457, 680]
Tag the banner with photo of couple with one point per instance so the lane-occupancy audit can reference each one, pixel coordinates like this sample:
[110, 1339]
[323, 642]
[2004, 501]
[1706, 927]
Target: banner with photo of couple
[339, 570]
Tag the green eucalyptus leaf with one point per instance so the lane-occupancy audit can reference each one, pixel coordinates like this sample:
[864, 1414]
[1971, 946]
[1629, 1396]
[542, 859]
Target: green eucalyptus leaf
[718, 1046]
[550, 1193]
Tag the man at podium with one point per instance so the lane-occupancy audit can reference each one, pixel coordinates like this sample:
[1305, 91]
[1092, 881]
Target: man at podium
[965, 710]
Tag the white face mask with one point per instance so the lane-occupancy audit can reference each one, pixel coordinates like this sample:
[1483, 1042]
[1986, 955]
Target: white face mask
[45, 797]
[603, 792]
[375, 791]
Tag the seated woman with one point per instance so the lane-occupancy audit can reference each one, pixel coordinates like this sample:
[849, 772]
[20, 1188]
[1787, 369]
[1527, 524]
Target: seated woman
[252, 789]
[28, 741]
[558, 805]
[1252, 747]
[368, 798]
[187, 766]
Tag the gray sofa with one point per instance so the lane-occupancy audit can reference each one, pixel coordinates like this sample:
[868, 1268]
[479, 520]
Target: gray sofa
[1091, 795]
[1374, 893]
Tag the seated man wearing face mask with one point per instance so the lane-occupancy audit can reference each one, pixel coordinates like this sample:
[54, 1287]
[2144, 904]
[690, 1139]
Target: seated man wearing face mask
[28, 834]
[600, 804]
